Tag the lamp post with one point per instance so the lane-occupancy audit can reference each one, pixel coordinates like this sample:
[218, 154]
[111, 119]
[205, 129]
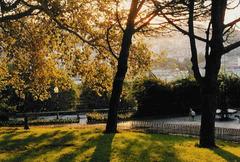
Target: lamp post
[56, 91]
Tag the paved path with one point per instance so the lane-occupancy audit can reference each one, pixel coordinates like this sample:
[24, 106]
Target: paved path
[235, 124]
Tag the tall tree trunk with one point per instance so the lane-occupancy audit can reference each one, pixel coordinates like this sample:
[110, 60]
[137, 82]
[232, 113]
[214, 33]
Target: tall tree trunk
[122, 67]
[209, 91]
[207, 132]
[209, 86]
[208, 107]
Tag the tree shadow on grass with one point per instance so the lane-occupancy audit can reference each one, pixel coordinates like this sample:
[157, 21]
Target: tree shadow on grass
[167, 151]
[9, 135]
[32, 152]
[228, 156]
[149, 147]
[102, 152]
[9, 144]
[103, 148]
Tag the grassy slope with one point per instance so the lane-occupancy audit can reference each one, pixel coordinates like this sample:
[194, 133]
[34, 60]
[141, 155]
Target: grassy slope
[89, 144]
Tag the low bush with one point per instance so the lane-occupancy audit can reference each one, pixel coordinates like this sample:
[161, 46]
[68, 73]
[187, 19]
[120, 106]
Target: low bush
[94, 117]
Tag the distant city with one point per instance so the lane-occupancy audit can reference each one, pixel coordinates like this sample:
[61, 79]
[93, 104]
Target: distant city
[180, 51]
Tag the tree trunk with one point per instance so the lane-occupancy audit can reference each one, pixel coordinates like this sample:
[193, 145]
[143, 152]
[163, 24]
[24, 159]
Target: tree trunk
[122, 67]
[208, 107]
[118, 83]
[114, 102]
[26, 109]
[209, 86]
[209, 91]
[26, 126]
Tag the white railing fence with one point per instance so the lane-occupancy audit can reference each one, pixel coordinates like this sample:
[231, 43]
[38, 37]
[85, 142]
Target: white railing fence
[180, 129]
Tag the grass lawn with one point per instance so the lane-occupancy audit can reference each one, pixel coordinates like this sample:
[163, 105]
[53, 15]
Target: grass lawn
[90, 144]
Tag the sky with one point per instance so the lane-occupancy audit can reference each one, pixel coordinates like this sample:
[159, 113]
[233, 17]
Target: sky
[233, 13]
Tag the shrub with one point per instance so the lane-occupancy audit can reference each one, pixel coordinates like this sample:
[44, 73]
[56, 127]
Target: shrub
[229, 91]
[154, 97]
[64, 100]
[5, 108]
[94, 116]
[93, 100]
[186, 95]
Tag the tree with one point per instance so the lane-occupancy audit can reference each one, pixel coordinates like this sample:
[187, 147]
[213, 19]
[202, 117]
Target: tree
[31, 61]
[18, 9]
[104, 42]
[99, 33]
[215, 49]
[133, 25]
[3, 73]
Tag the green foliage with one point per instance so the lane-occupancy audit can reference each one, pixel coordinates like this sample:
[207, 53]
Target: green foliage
[5, 108]
[94, 100]
[128, 100]
[8, 102]
[39, 54]
[154, 97]
[31, 61]
[186, 93]
[229, 91]
[63, 100]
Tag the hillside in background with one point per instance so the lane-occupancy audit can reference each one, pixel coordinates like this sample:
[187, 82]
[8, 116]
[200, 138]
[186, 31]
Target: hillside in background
[178, 51]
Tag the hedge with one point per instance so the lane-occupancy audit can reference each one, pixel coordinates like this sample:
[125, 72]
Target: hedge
[156, 97]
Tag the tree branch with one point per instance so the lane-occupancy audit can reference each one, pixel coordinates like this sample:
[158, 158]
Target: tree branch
[177, 27]
[207, 36]
[17, 16]
[152, 15]
[118, 19]
[194, 58]
[109, 44]
[6, 7]
[140, 6]
[231, 47]
[232, 23]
